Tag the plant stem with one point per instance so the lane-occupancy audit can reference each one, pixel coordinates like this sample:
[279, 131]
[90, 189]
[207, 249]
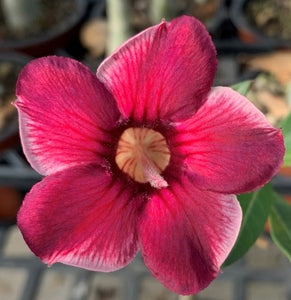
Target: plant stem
[189, 297]
[118, 13]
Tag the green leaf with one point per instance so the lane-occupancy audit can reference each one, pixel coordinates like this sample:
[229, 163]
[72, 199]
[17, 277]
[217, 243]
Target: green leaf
[286, 130]
[280, 225]
[256, 207]
[242, 87]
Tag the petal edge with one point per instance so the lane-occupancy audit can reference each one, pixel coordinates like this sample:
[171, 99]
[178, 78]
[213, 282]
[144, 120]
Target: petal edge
[65, 113]
[186, 234]
[81, 217]
[228, 146]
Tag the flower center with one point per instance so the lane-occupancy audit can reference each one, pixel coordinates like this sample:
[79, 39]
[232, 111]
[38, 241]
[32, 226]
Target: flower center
[143, 154]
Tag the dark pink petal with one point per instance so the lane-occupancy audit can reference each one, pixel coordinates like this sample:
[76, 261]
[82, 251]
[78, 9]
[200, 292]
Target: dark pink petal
[165, 72]
[81, 217]
[65, 114]
[228, 146]
[186, 234]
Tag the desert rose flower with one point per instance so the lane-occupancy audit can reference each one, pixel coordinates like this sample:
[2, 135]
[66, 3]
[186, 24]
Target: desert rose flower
[145, 156]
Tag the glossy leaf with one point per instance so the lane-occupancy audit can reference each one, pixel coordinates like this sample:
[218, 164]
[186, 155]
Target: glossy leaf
[256, 207]
[286, 129]
[280, 225]
[242, 87]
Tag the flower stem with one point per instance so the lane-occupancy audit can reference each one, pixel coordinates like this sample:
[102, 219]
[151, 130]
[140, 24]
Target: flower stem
[188, 297]
[118, 13]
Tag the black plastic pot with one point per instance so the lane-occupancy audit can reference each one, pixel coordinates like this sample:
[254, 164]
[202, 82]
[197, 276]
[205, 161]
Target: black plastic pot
[57, 37]
[249, 33]
[213, 22]
[218, 19]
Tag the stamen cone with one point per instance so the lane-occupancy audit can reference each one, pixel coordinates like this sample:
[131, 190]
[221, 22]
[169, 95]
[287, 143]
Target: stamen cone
[143, 154]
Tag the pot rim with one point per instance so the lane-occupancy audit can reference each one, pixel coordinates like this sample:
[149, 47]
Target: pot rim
[51, 34]
[239, 19]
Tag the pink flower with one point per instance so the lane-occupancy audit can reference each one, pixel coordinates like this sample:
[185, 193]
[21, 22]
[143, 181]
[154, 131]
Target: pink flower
[145, 156]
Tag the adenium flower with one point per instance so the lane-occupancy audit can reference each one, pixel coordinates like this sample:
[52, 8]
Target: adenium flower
[145, 156]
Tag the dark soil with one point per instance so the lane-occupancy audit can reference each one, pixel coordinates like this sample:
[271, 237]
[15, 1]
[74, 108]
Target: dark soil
[54, 15]
[271, 17]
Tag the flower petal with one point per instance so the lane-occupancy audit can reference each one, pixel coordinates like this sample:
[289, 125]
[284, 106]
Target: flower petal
[81, 217]
[186, 234]
[65, 114]
[165, 72]
[228, 146]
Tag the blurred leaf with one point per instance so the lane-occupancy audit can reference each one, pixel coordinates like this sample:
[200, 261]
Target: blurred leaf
[256, 207]
[280, 225]
[242, 87]
[286, 129]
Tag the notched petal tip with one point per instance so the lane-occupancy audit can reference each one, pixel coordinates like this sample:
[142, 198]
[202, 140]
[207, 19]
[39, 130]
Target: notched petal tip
[18, 103]
[162, 74]
[15, 103]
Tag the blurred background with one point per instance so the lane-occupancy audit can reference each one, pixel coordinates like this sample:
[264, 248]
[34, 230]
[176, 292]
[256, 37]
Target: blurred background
[253, 41]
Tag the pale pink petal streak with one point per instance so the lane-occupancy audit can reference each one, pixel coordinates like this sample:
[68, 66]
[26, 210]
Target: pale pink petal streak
[81, 217]
[186, 234]
[65, 114]
[164, 72]
[228, 146]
